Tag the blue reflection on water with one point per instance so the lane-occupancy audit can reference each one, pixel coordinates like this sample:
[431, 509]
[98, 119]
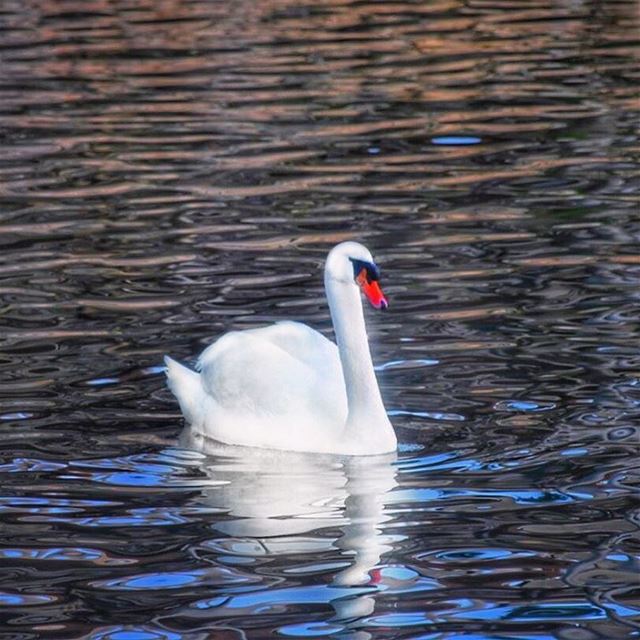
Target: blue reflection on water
[30, 465]
[100, 382]
[430, 415]
[19, 415]
[310, 629]
[446, 462]
[157, 581]
[519, 496]
[398, 620]
[523, 405]
[545, 611]
[574, 452]
[473, 555]
[56, 553]
[130, 479]
[407, 364]
[133, 633]
[47, 505]
[409, 447]
[421, 462]
[487, 636]
[151, 464]
[174, 580]
[144, 470]
[314, 594]
[456, 140]
[145, 517]
[155, 370]
[24, 600]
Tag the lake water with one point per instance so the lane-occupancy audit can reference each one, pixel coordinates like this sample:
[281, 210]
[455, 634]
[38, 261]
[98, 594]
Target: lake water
[172, 170]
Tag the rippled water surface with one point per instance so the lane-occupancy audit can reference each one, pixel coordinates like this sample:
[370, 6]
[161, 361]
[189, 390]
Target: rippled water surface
[170, 170]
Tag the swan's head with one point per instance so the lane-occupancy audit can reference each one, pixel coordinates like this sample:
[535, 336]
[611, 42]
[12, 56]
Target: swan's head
[352, 263]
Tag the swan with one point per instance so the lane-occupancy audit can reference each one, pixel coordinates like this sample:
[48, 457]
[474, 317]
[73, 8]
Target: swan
[288, 387]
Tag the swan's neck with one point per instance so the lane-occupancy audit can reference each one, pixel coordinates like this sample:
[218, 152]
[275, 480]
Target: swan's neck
[367, 416]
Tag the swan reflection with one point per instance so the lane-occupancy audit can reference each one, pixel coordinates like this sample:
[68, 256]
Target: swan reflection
[276, 502]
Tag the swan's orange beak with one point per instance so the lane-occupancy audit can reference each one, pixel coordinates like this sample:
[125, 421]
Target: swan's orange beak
[372, 290]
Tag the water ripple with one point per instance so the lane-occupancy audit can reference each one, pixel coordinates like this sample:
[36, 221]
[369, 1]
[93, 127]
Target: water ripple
[173, 170]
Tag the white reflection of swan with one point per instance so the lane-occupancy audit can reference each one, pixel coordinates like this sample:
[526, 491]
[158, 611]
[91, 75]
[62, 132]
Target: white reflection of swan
[273, 498]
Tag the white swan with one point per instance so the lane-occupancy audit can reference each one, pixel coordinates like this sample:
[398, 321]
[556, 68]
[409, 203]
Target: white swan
[288, 387]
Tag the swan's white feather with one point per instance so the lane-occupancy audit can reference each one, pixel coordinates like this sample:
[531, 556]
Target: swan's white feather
[280, 369]
[287, 374]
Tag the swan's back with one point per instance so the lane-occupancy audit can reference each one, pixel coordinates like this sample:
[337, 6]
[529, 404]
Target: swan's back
[294, 338]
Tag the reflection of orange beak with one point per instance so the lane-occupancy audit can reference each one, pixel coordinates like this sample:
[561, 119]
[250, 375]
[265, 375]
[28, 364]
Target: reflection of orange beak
[372, 290]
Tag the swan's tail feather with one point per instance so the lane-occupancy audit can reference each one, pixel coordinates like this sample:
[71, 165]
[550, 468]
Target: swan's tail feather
[186, 387]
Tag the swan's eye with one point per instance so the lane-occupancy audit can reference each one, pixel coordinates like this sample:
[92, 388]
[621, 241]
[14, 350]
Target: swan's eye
[371, 271]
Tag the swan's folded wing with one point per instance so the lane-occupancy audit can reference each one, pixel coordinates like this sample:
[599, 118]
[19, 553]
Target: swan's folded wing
[296, 339]
[246, 372]
[303, 343]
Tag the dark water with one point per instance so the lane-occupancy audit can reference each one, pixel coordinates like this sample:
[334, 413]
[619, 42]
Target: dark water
[171, 170]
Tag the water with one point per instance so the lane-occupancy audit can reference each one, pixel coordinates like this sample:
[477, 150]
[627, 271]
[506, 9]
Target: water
[171, 170]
